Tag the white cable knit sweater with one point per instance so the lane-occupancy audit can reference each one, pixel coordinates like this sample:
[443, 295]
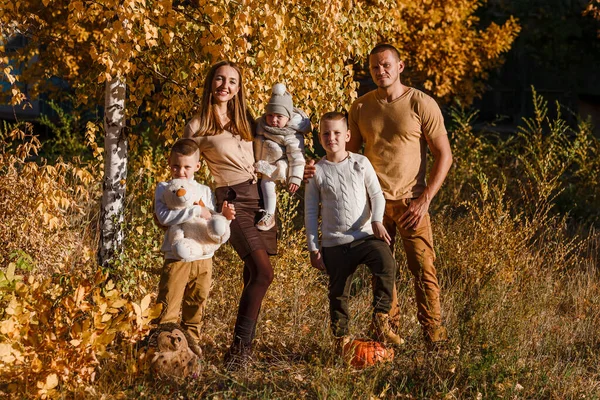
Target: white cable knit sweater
[348, 196]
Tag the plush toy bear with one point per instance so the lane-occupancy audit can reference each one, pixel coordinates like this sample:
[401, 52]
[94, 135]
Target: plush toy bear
[172, 353]
[197, 236]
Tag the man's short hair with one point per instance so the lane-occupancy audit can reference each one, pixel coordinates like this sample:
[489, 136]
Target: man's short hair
[381, 47]
[185, 147]
[335, 116]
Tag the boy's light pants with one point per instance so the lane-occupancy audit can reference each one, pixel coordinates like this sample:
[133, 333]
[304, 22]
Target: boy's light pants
[420, 255]
[184, 286]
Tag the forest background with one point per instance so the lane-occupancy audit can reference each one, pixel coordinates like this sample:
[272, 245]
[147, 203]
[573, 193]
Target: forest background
[515, 223]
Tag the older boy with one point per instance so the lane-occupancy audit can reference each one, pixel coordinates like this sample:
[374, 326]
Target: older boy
[184, 285]
[346, 193]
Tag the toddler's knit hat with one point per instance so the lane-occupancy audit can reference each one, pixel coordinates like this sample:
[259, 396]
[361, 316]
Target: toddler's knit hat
[280, 101]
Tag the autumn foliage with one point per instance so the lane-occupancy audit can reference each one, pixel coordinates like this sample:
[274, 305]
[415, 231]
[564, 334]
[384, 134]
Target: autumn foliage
[516, 255]
[163, 49]
[593, 10]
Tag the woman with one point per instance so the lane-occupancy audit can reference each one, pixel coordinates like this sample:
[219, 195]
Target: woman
[224, 132]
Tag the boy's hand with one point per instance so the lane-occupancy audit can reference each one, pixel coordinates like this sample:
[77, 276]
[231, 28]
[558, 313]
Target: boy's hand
[309, 170]
[197, 211]
[316, 260]
[293, 188]
[205, 213]
[380, 232]
[201, 212]
[228, 210]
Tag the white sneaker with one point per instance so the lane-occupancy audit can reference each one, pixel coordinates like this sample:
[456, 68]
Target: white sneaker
[266, 222]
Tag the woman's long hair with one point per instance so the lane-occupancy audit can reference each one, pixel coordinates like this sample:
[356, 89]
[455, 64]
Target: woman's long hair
[241, 119]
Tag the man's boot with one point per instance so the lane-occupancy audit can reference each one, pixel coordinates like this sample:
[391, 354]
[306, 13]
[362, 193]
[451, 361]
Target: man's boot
[383, 331]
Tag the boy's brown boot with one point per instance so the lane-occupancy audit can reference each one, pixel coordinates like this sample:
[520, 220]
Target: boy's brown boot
[383, 330]
[340, 343]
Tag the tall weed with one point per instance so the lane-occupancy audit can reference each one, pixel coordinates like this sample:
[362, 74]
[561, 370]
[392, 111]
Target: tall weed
[518, 269]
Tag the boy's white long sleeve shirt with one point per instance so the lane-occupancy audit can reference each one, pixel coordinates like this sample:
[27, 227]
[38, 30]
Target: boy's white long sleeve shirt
[169, 217]
[348, 197]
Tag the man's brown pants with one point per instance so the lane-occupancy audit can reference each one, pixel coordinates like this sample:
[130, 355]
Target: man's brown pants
[420, 255]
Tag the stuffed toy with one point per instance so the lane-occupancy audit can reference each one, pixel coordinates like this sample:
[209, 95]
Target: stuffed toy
[172, 353]
[197, 236]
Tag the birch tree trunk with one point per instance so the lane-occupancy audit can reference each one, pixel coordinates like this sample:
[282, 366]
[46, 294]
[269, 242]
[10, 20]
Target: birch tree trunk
[115, 172]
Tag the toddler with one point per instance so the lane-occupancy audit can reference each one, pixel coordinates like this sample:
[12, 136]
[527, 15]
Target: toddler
[279, 149]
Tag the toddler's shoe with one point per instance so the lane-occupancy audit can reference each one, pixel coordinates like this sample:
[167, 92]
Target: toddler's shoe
[266, 222]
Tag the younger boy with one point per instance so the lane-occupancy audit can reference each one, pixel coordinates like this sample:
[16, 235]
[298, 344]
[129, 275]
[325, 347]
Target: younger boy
[185, 285]
[279, 149]
[346, 193]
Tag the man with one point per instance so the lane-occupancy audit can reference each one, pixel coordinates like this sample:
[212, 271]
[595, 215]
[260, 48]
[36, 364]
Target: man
[397, 124]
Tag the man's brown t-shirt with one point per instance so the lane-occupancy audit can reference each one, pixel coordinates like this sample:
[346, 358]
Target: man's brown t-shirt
[394, 137]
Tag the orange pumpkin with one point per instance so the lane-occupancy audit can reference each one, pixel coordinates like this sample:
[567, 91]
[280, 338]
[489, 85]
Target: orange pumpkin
[363, 353]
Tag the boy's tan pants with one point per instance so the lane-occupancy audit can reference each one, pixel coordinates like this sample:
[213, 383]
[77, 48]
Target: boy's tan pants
[184, 286]
[420, 255]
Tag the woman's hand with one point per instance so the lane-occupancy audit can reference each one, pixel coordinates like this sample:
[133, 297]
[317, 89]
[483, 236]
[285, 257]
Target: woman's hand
[309, 170]
[293, 188]
[228, 210]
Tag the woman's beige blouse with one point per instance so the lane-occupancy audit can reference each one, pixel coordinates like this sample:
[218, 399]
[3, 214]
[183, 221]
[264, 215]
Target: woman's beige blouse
[230, 159]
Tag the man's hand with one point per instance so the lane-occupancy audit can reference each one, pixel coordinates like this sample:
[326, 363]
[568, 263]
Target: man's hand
[316, 260]
[442, 154]
[417, 209]
[309, 170]
[228, 210]
[380, 232]
[293, 188]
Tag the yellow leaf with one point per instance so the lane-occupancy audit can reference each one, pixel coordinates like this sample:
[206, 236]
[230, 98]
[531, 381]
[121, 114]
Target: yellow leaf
[154, 312]
[119, 303]
[7, 326]
[145, 303]
[10, 272]
[4, 349]
[79, 294]
[138, 313]
[51, 382]
[36, 364]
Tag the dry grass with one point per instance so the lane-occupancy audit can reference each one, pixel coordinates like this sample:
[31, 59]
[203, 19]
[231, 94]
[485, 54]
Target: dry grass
[519, 281]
